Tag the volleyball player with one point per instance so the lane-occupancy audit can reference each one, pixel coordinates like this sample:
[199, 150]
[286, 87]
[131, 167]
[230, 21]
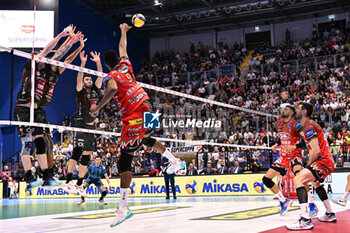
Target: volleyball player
[96, 171]
[130, 97]
[287, 134]
[45, 80]
[87, 96]
[319, 166]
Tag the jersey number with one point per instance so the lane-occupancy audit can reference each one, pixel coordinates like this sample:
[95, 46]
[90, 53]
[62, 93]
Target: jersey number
[129, 78]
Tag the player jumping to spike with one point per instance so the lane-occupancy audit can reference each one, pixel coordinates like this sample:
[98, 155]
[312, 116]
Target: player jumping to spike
[121, 85]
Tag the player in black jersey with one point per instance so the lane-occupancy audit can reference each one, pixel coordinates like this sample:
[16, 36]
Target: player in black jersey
[46, 77]
[87, 96]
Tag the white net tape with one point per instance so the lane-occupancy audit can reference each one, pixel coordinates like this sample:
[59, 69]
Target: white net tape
[148, 86]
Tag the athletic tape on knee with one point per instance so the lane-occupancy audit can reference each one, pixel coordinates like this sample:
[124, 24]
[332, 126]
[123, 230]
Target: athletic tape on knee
[85, 160]
[321, 192]
[124, 163]
[77, 152]
[27, 144]
[268, 182]
[149, 141]
[40, 145]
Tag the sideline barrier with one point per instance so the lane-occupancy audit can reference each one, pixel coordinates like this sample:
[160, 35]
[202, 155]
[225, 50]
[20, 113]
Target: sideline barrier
[213, 185]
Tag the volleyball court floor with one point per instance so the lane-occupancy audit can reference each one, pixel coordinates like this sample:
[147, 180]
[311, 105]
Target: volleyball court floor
[186, 214]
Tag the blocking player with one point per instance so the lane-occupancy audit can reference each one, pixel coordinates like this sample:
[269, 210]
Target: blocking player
[45, 80]
[319, 166]
[130, 97]
[96, 170]
[87, 96]
[287, 134]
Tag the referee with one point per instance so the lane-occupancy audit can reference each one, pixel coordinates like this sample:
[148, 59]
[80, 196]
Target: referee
[168, 178]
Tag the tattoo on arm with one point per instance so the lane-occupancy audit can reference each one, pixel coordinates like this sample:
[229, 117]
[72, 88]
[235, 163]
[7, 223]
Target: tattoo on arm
[62, 52]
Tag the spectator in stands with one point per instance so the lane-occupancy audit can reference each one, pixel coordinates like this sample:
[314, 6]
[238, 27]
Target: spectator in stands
[153, 172]
[191, 171]
[340, 162]
[255, 164]
[222, 169]
[13, 188]
[5, 176]
[207, 170]
[236, 169]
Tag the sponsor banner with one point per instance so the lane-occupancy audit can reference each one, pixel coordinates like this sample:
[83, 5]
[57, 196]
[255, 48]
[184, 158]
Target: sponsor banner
[184, 149]
[0, 190]
[334, 183]
[215, 185]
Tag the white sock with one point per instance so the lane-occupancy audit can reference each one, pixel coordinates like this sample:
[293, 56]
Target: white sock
[346, 195]
[304, 210]
[310, 197]
[169, 156]
[123, 201]
[328, 206]
[280, 196]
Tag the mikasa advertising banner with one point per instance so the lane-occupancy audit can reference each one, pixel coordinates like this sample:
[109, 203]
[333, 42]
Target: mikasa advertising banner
[216, 185]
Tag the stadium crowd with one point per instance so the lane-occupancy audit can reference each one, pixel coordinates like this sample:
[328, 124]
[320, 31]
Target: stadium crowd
[326, 86]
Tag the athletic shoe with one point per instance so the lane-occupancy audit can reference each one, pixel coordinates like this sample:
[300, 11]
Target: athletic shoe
[340, 201]
[301, 224]
[69, 188]
[50, 182]
[81, 190]
[285, 206]
[81, 202]
[175, 166]
[31, 183]
[102, 202]
[328, 217]
[122, 215]
[313, 210]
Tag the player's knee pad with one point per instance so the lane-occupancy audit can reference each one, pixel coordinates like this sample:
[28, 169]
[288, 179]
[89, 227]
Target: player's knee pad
[149, 141]
[104, 193]
[321, 192]
[48, 143]
[268, 182]
[40, 145]
[85, 160]
[124, 163]
[27, 144]
[77, 152]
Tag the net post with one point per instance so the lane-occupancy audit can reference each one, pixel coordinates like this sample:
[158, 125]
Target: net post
[32, 83]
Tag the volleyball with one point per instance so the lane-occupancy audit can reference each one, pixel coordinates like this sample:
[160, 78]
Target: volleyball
[259, 187]
[138, 20]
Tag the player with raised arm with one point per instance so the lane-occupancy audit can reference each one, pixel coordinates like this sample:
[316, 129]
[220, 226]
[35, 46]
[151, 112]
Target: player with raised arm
[87, 96]
[319, 166]
[121, 85]
[45, 80]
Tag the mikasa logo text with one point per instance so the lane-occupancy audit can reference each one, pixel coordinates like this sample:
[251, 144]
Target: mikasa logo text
[191, 123]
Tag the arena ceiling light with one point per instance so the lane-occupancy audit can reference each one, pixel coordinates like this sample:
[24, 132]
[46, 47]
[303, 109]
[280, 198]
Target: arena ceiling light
[157, 3]
[207, 13]
[280, 2]
[238, 9]
[216, 12]
[269, 4]
[197, 15]
[248, 7]
[259, 6]
[257, 28]
[291, 1]
[167, 19]
[188, 17]
[179, 18]
[330, 17]
[228, 10]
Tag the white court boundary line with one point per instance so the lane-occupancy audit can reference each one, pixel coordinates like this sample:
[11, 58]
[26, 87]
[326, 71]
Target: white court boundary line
[148, 86]
[113, 134]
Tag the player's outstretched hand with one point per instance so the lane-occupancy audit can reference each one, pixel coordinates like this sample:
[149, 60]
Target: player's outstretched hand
[95, 56]
[83, 57]
[124, 27]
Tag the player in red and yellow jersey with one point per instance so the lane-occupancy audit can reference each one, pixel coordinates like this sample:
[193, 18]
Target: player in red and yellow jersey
[287, 134]
[319, 166]
[121, 85]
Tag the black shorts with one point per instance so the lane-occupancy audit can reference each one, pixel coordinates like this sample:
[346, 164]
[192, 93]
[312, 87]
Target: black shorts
[283, 170]
[23, 114]
[84, 140]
